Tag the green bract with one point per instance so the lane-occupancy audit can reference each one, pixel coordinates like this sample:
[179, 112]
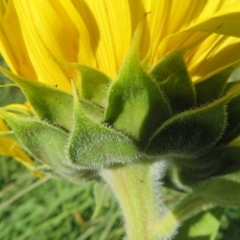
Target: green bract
[149, 129]
[131, 132]
[159, 114]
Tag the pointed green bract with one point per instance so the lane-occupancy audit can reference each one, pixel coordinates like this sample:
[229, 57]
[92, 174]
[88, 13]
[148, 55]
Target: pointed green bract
[94, 112]
[94, 85]
[47, 144]
[172, 76]
[43, 141]
[233, 128]
[191, 177]
[49, 103]
[136, 105]
[221, 161]
[212, 88]
[94, 146]
[191, 133]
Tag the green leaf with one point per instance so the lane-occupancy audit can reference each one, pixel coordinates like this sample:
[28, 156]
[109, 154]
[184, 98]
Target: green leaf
[203, 226]
[213, 87]
[215, 192]
[172, 76]
[94, 146]
[136, 105]
[49, 103]
[94, 85]
[191, 133]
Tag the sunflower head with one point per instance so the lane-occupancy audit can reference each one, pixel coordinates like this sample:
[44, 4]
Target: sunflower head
[105, 92]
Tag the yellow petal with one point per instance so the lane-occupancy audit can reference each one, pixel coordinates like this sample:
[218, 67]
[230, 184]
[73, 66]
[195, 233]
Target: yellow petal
[169, 17]
[214, 54]
[225, 21]
[50, 37]
[211, 7]
[178, 41]
[85, 52]
[165, 20]
[23, 109]
[12, 45]
[109, 26]
[200, 26]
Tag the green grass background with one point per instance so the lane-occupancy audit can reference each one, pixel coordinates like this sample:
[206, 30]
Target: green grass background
[53, 209]
[49, 208]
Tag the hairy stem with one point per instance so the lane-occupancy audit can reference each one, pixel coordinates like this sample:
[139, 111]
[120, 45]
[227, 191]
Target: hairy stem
[137, 191]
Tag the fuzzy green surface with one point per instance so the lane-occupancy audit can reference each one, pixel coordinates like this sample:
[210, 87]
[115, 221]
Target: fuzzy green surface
[48, 209]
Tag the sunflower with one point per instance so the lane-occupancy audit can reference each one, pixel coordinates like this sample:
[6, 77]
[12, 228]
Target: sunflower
[37, 37]
[122, 84]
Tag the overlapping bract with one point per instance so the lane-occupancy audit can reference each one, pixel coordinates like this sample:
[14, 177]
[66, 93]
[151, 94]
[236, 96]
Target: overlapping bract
[139, 118]
[153, 108]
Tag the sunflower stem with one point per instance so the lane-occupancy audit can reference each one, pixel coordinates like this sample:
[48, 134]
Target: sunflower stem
[138, 193]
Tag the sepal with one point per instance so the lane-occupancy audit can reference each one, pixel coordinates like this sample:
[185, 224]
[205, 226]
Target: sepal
[185, 178]
[213, 87]
[221, 161]
[47, 144]
[191, 133]
[136, 105]
[42, 140]
[94, 146]
[93, 85]
[48, 102]
[172, 77]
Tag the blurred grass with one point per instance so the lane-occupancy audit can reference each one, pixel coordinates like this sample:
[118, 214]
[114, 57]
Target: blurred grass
[45, 209]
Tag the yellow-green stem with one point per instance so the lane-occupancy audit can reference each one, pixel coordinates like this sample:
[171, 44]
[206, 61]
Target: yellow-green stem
[137, 191]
